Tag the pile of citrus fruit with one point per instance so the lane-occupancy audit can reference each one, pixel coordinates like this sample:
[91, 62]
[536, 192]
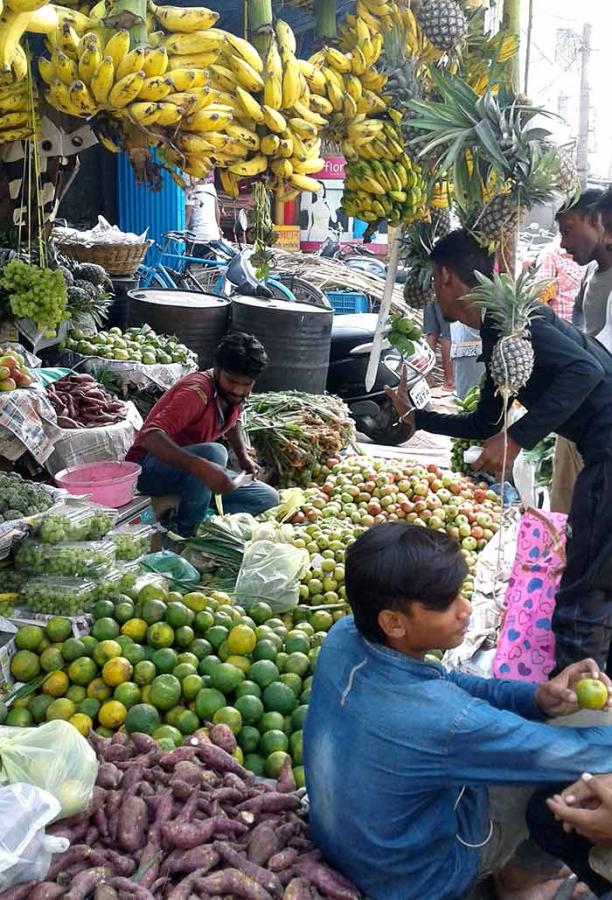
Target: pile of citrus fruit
[167, 664]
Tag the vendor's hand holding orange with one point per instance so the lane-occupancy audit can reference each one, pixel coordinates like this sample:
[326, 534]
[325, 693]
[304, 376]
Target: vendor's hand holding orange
[557, 697]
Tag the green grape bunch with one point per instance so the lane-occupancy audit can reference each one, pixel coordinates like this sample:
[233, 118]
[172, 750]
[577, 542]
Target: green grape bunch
[34, 293]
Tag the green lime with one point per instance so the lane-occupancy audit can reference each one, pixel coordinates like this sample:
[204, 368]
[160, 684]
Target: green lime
[105, 629]
[297, 642]
[124, 611]
[281, 660]
[298, 664]
[174, 597]
[275, 762]
[278, 697]
[127, 693]
[102, 609]
[246, 688]
[273, 741]
[29, 637]
[321, 620]
[136, 629]
[265, 650]
[177, 615]
[39, 706]
[21, 718]
[60, 709]
[82, 671]
[204, 620]
[173, 715]
[306, 627]
[305, 698]
[185, 656]
[254, 763]
[223, 619]
[296, 747]
[151, 591]
[51, 659]
[263, 672]
[298, 717]
[183, 636]
[89, 642]
[72, 649]
[228, 715]
[248, 738]
[165, 660]
[124, 641]
[160, 635]
[207, 702]
[76, 693]
[293, 681]
[183, 669]
[191, 686]
[195, 600]
[134, 653]
[260, 612]
[200, 647]
[168, 732]
[226, 677]
[165, 692]
[208, 664]
[271, 721]
[299, 776]
[223, 652]
[241, 640]
[104, 651]
[58, 629]
[250, 708]
[89, 707]
[216, 635]
[104, 732]
[143, 717]
[153, 611]
[144, 672]
[188, 722]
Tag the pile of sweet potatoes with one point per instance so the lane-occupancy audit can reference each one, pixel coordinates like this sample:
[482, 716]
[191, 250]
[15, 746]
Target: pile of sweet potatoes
[80, 402]
[185, 824]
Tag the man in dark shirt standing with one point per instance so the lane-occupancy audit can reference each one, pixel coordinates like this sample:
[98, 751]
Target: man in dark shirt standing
[569, 393]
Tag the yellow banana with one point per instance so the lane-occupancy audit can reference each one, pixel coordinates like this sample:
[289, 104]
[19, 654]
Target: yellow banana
[245, 135]
[207, 120]
[194, 101]
[349, 107]
[193, 60]
[81, 98]
[300, 150]
[143, 113]
[195, 42]
[359, 64]
[246, 50]
[12, 26]
[334, 94]
[23, 6]
[126, 90]
[67, 40]
[197, 168]
[156, 88]
[285, 150]
[8, 135]
[320, 105]
[229, 184]
[306, 130]
[108, 143]
[168, 113]
[46, 69]
[273, 92]
[308, 115]
[155, 61]
[281, 167]
[337, 60]
[305, 183]
[65, 68]
[270, 144]
[254, 166]
[362, 31]
[353, 86]
[313, 75]
[43, 20]
[182, 79]
[17, 102]
[377, 41]
[223, 77]
[274, 120]
[250, 105]
[291, 82]
[285, 37]
[118, 46]
[102, 80]
[89, 61]
[131, 62]
[58, 96]
[246, 74]
[80, 22]
[195, 143]
[311, 166]
[274, 66]
[176, 18]
[99, 11]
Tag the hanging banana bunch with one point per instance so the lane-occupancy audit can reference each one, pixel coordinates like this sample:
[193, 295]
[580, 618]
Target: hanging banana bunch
[16, 19]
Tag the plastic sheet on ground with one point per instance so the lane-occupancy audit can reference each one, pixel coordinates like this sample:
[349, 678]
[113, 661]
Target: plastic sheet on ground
[131, 374]
[75, 446]
[25, 849]
[493, 571]
[31, 755]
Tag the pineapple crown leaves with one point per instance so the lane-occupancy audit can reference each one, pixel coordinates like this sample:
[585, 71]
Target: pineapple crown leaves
[511, 303]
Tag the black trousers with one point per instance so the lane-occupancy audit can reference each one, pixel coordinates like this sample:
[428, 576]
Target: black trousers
[572, 849]
[582, 621]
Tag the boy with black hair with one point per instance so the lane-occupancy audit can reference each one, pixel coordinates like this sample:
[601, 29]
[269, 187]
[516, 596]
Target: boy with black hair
[569, 393]
[400, 754]
[178, 447]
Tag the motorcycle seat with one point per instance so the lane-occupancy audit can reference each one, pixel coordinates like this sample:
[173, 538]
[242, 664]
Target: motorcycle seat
[350, 331]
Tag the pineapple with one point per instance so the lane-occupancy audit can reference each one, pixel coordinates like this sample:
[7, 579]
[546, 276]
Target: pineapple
[440, 220]
[500, 213]
[402, 84]
[569, 180]
[418, 288]
[443, 23]
[418, 244]
[511, 304]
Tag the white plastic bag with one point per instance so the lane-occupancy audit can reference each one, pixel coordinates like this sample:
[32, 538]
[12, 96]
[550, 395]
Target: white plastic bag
[54, 757]
[25, 849]
[271, 572]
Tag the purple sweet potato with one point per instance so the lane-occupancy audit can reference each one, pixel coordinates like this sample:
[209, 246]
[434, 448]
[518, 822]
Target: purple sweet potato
[201, 858]
[189, 808]
[286, 781]
[182, 790]
[327, 880]
[271, 802]
[109, 776]
[218, 759]
[223, 736]
[284, 859]
[233, 882]
[18, 891]
[99, 744]
[121, 865]
[181, 754]
[136, 891]
[119, 737]
[163, 813]
[132, 778]
[261, 876]
[132, 823]
[186, 835]
[298, 889]
[184, 889]
[85, 882]
[47, 890]
[106, 892]
[262, 844]
[60, 861]
[144, 743]
[101, 822]
[188, 772]
[117, 753]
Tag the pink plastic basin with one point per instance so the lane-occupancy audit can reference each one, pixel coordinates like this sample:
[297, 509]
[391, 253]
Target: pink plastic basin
[108, 483]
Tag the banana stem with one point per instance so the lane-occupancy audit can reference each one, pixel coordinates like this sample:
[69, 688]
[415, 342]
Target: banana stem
[130, 14]
[325, 20]
[260, 24]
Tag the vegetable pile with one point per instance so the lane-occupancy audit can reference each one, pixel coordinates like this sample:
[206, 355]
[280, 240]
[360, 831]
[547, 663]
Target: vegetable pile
[182, 823]
[294, 432]
[14, 373]
[19, 498]
[80, 402]
[142, 345]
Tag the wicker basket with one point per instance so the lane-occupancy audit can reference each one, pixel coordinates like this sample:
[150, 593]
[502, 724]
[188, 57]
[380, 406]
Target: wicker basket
[117, 259]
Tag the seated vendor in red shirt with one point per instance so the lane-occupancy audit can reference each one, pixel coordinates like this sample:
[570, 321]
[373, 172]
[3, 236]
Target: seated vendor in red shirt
[177, 447]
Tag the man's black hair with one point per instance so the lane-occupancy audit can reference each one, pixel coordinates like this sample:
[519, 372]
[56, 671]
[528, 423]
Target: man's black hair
[461, 252]
[604, 204]
[241, 354]
[586, 204]
[392, 564]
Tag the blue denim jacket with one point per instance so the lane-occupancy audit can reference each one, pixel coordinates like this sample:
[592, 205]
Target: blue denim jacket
[389, 744]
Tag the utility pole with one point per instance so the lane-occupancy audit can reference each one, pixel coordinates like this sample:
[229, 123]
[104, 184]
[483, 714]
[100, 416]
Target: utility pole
[528, 47]
[584, 108]
[511, 21]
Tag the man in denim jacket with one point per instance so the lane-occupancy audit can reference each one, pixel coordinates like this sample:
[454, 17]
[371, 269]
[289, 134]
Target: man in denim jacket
[400, 754]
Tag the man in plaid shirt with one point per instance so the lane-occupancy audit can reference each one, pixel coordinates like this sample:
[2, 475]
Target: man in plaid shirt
[556, 265]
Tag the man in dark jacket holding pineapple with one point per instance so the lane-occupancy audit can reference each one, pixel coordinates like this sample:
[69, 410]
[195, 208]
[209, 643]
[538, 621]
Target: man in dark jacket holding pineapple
[567, 390]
